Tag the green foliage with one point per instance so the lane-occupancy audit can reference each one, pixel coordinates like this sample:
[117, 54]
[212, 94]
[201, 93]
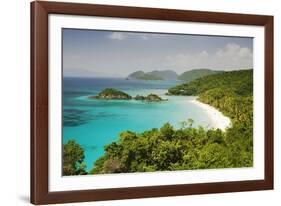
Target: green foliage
[149, 98]
[239, 82]
[73, 157]
[112, 93]
[189, 148]
[165, 74]
[167, 131]
[166, 149]
[195, 74]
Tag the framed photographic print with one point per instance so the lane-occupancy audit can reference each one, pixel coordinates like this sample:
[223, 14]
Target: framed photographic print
[131, 102]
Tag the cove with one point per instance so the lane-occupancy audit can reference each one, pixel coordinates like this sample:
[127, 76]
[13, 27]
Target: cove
[95, 123]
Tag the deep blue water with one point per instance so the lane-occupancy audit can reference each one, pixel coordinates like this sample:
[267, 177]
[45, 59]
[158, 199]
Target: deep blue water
[95, 123]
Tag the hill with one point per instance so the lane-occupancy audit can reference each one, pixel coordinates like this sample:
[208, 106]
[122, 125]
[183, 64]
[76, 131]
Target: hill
[154, 75]
[136, 75]
[230, 92]
[110, 93]
[239, 82]
[140, 75]
[195, 74]
[165, 74]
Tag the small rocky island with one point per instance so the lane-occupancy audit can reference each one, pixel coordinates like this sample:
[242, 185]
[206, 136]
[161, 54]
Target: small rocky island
[111, 93]
[149, 98]
[114, 94]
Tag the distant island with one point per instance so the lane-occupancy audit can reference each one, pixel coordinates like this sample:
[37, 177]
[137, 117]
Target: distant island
[110, 93]
[153, 75]
[171, 75]
[114, 94]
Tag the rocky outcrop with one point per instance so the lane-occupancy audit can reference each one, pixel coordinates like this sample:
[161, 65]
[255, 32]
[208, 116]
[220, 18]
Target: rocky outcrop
[149, 98]
[114, 94]
[153, 98]
[139, 97]
[110, 93]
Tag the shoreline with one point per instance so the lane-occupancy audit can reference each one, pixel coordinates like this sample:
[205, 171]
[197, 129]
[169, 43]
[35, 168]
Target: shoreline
[218, 119]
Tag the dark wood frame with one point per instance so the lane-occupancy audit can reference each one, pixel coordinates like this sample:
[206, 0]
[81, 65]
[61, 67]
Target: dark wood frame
[39, 102]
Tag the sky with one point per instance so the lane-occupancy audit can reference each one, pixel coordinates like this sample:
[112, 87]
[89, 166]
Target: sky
[95, 53]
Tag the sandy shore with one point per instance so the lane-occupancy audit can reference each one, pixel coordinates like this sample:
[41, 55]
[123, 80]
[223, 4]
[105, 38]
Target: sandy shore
[218, 120]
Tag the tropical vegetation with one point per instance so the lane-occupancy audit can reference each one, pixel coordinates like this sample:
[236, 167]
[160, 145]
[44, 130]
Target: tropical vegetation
[195, 74]
[73, 159]
[111, 93]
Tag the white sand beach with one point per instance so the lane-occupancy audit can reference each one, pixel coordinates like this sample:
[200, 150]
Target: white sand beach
[218, 120]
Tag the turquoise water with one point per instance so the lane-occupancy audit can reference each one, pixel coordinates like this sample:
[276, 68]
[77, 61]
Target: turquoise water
[95, 123]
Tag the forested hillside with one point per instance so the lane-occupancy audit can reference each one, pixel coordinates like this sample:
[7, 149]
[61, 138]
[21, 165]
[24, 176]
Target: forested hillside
[230, 92]
[195, 74]
[154, 75]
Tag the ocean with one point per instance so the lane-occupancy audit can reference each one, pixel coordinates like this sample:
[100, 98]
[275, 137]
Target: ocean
[95, 123]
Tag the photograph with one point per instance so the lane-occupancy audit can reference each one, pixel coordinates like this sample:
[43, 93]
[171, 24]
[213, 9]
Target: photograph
[155, 102]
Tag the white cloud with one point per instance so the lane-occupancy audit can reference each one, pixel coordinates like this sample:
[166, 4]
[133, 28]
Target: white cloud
[231, 56]
[204, 54]
[234, 51]
[117, 36]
